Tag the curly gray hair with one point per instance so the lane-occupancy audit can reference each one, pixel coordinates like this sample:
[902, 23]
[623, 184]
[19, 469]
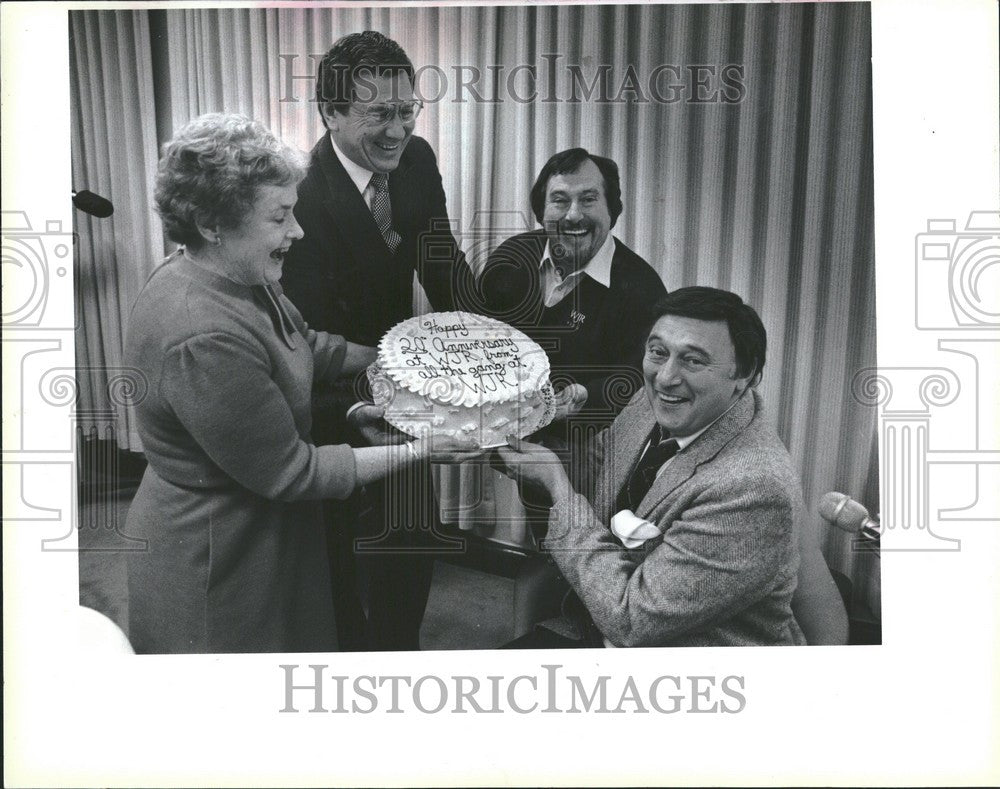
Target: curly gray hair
[210, 172]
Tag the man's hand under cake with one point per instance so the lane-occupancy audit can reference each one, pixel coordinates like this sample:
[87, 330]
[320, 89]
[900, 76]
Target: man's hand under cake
[447, 449]
[569, 401]
[534, 466]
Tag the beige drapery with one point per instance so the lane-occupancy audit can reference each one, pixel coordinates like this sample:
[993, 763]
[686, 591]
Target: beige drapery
[770, 196]
[114, 154]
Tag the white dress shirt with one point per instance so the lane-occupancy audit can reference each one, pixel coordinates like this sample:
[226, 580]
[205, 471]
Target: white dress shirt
[598, 268]
[361, 176]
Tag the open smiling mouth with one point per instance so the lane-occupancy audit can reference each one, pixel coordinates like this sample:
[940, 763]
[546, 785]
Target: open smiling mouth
[279, 254]
[670, 399]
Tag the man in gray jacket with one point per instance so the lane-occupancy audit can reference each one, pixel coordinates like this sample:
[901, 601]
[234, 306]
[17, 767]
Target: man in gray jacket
[691, 537]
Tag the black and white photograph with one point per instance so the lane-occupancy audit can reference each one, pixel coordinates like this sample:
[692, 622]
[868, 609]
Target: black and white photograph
[670, 206]
[393, 367]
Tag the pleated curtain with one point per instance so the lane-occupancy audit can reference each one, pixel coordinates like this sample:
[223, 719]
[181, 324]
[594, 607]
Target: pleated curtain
[114, 150]
[770, 196]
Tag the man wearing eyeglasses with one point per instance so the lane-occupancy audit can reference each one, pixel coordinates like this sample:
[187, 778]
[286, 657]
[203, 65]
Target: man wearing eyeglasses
[372, 193]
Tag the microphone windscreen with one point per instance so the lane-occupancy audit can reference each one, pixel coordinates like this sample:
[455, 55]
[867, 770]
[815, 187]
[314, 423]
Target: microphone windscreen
[843, 512]
[830, 504]
[93, 204]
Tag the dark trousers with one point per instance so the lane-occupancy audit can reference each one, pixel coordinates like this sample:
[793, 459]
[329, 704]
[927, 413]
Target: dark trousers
[341, 517]
[397, 587]
[382, 546]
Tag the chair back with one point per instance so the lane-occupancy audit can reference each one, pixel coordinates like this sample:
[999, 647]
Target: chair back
[817, 604]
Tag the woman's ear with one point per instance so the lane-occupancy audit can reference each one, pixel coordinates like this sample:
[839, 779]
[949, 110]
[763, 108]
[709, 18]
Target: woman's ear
[210, 234]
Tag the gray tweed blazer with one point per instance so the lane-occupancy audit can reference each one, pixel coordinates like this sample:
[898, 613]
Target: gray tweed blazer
[724, 569]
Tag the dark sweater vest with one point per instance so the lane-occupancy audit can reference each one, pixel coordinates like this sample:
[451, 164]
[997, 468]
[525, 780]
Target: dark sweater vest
[595, 336]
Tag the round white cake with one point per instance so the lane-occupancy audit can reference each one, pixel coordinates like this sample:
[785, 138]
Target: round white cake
[462, 375]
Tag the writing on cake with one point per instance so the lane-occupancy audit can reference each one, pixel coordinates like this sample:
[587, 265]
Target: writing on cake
[453, 351]
[460, 374]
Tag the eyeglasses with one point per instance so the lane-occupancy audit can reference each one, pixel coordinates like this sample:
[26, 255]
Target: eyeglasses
[384, 113]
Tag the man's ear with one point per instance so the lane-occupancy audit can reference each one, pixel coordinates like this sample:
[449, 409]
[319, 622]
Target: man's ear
[331, 117]
[740, 385]
[614, 219]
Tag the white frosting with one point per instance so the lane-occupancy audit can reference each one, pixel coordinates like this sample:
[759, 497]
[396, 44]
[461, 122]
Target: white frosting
[459, 374]
[463, 359]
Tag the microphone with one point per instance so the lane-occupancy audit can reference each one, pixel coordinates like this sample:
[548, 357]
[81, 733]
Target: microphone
[845, 513]
[92, 204]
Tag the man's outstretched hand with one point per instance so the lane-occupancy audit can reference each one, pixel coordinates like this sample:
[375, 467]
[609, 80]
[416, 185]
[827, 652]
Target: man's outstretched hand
[533, 465]
[569, 401]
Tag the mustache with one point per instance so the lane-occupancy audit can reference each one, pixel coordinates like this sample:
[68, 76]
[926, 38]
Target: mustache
[563, 226]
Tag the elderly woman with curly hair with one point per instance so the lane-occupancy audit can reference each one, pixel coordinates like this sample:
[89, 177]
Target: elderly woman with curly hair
[230, 504]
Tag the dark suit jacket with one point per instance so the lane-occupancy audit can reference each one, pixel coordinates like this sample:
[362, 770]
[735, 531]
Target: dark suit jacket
[342, 276]
[603, 351]
[723, 571]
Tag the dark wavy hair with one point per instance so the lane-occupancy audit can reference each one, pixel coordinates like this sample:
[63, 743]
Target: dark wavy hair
[711, 304]
[210, 172]
[351, 60]
[569, 161]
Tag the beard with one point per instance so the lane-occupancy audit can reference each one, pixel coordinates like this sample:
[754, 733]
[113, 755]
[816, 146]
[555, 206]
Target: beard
[572, 252]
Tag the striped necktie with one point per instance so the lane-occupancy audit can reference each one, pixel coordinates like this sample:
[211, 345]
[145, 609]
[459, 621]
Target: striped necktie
[641, 479]
[382, 210]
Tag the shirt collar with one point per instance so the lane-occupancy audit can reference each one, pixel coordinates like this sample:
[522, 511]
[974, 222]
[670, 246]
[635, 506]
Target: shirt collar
[357, 173]
[599, 266]
[684, 441]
